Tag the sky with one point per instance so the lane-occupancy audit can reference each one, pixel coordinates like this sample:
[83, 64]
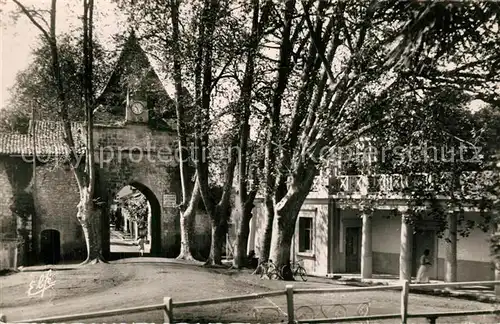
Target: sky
[19, 37]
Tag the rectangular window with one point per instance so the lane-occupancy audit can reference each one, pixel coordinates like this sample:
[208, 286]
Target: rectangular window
[305, 234]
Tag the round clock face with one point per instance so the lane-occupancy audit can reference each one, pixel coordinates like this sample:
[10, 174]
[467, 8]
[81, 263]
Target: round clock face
[137, 108]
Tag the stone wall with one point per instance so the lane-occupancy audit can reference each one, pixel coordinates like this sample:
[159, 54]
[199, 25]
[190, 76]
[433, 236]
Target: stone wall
[7, 219]
[56, 198]
[16, 206]
[51, 204]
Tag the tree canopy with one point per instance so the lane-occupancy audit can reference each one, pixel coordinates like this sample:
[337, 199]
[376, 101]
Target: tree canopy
[137, 208]
[34, 86]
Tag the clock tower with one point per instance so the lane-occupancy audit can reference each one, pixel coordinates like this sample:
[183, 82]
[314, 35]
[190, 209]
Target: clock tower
[137, 111]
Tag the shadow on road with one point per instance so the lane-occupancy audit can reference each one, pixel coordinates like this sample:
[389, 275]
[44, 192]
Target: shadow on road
[123, 243]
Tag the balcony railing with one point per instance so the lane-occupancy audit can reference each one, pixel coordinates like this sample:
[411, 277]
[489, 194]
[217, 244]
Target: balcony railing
[468, 183]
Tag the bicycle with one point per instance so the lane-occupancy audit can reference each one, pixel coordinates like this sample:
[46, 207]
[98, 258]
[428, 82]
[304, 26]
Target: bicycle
[297, 270]
[268, 269]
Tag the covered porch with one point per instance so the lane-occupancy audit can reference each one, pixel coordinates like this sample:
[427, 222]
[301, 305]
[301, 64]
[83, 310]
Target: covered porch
[384, 241]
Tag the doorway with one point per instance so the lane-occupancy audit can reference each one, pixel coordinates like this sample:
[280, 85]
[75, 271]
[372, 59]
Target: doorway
[135, 213]
[50, 246]
[353, 249]
[422, 240]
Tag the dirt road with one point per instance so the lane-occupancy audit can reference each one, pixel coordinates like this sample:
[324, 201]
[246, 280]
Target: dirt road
[143, 281]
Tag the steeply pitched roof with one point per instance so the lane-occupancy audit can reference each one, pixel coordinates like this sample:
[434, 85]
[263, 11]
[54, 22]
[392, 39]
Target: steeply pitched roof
[49, 136]
[133, 50]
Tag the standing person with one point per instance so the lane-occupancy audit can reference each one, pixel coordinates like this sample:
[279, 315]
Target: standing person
[423, 270]
[140, 243]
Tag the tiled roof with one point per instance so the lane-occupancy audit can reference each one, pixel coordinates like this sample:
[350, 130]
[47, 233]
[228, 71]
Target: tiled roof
[14, 144]
[49, 140]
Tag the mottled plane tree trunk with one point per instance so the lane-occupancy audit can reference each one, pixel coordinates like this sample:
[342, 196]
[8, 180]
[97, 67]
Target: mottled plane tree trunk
[190, 193]
[88, 209]
[245, 201]
[218, 211]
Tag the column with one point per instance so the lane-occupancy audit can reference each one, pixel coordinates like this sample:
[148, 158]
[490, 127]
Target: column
[149, 224]
[497, 278]
[125, 223]
[496, 263]
[366, 245]
[450, 263]
[251, 235]
[405, 248]
[334, 238]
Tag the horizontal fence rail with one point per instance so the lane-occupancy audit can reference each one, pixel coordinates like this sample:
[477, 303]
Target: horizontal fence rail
[351, 318]
[455, 284]
[168, 305]
[202, 302]
[432, 317]
[457, 313]
[339, 290]
[114, 312]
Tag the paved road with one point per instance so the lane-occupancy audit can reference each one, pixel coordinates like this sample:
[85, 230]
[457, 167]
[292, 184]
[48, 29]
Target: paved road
[124, 248]
[119, 243]
[147, 280]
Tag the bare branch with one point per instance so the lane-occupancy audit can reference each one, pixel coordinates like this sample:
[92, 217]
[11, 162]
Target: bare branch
[316, 40]
[30, 16]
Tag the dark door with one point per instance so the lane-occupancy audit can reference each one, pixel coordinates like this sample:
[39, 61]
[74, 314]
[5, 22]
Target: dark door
[422, 240]
[353, 249]
[50, 246]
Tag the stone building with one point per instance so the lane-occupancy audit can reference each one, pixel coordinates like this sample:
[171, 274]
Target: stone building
[335, 233]
[135, 143]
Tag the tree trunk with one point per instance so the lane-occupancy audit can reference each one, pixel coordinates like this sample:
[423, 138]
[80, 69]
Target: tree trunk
[268, 232]
[287, 211]
[283, 230]
[281, 245]
[88, 214]
[240, 250]
[90, 219]
[187, 226]
[187, 235]
[245, 201]
[217, 242]
[286, 49]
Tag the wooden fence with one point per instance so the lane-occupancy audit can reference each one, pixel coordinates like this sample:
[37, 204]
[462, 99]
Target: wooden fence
[168, 305]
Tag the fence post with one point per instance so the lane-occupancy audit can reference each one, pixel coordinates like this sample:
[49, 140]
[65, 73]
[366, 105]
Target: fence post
[167, 311]
[404, 301]
[289, 303]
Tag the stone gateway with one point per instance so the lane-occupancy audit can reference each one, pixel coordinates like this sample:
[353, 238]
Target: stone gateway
[135, 144]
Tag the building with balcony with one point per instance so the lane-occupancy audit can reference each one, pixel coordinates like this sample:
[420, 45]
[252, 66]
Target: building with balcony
[359, 224]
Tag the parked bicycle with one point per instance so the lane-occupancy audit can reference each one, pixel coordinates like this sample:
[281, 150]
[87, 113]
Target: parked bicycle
[271, 270]
[268, 269]
[298, 270]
